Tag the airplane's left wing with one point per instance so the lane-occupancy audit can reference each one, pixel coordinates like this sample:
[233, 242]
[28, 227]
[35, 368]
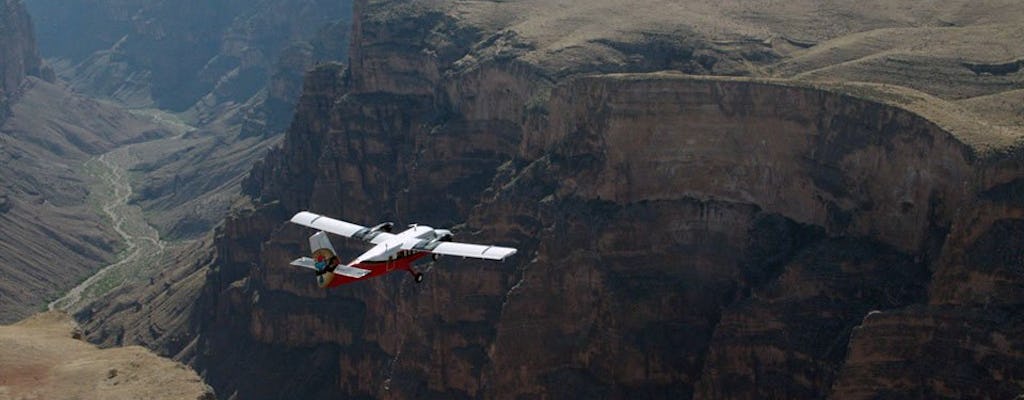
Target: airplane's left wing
[339, 227]
[468, 250]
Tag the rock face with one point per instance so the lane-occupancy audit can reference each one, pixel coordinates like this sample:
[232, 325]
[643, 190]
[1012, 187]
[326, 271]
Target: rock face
[18, 55]
[679, 236]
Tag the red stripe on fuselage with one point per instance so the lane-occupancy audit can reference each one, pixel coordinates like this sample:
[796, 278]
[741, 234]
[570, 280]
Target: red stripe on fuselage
[378, 268]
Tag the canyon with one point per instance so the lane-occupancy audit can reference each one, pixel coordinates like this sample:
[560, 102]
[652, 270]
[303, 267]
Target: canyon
[226, 72]
[185, 166]
[52, 236]
[734, 200]
[775, 235]
[59, 129]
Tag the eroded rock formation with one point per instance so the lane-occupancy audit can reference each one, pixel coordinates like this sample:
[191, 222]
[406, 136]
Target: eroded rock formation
[18, 55]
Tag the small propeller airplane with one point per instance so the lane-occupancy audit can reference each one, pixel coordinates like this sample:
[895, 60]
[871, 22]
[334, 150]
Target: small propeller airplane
[392, 252]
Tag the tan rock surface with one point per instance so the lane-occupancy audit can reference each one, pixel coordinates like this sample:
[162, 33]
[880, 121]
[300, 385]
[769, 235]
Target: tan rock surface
[39, 359]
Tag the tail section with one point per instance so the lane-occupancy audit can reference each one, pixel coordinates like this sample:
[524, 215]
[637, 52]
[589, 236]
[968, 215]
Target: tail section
[326, 263]
[325, 259]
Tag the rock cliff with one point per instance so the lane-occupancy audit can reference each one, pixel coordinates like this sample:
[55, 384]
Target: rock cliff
[18, 55]
[679, 236]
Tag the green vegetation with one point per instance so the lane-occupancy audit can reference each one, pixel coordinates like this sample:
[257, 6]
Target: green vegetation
[143, 251]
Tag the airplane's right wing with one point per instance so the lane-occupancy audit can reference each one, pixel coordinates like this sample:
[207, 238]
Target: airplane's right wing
[338, 227]
[472, 250]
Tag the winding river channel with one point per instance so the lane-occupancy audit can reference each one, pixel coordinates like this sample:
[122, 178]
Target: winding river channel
[142, 245]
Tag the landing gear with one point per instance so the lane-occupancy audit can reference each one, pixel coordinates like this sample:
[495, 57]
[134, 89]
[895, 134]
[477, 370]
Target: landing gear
[416, 276]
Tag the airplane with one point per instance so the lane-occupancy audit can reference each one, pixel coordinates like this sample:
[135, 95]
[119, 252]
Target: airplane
[391, 252]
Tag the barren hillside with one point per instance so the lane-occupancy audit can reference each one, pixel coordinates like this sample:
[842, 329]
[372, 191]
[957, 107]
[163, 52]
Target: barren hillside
[51, 236]
[40, 359]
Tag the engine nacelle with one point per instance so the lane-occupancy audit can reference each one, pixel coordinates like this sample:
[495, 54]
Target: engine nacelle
[440, 235]
[384, 227]
[443, 235]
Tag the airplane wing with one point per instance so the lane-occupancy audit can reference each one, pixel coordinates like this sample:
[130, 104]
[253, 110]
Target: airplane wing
[343, 270]
[338, 227]
[468, 250]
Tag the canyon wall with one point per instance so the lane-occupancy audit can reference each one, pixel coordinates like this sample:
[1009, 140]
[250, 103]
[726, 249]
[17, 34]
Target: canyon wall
[18, 55]
[679, 236]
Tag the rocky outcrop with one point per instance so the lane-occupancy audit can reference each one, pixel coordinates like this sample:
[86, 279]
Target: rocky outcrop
[18, 55]
[934, 352]
[679, 236]
[41, 358]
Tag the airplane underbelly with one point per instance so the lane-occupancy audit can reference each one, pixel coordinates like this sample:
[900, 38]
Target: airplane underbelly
[378, 268]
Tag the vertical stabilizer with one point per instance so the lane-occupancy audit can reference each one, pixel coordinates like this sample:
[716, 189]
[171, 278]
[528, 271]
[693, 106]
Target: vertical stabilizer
[324, 257]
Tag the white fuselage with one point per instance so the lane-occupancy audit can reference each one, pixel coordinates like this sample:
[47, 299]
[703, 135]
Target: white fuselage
[388, 249]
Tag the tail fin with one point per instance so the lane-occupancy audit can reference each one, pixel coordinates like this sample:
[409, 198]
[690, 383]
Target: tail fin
[326, 263]
[325, 259]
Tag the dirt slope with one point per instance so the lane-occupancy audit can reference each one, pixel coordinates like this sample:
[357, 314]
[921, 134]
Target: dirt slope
[39, 359]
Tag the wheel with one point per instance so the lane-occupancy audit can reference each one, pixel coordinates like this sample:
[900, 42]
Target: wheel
[418, 277]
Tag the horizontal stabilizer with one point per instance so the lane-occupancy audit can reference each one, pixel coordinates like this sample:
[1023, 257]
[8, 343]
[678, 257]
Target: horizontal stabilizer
[351, 272]
[343, 270]
[304, 262]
